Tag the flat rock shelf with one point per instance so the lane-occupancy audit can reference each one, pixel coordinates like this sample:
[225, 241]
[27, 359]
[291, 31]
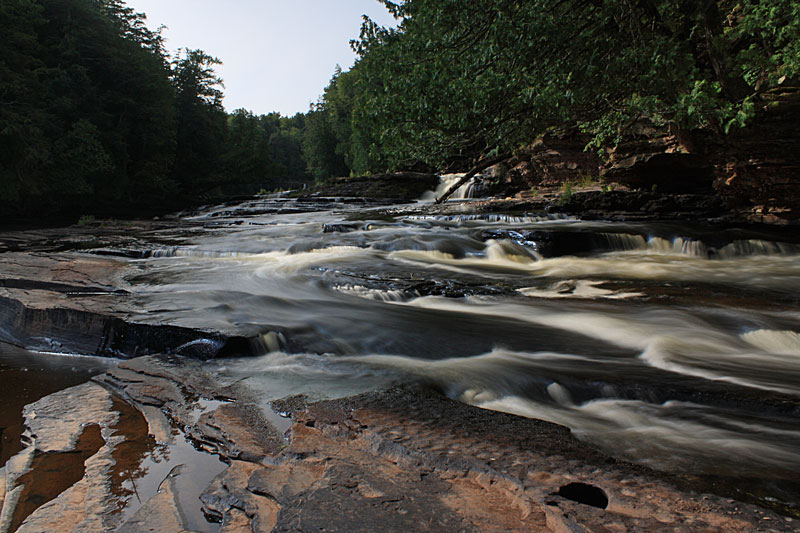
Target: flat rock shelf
[406, 458]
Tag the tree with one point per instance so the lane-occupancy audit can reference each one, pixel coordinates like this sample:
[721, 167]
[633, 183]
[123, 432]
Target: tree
[248, 154]
[460, 82]
[82, 78]
[24, 144]
[201, 120]
[287, 149]
[328, 144]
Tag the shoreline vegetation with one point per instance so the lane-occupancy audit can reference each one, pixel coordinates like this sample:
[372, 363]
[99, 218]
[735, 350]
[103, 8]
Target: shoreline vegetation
[99, 120]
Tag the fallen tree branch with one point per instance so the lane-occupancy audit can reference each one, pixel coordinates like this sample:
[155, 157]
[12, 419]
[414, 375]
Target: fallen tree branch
[481, 166]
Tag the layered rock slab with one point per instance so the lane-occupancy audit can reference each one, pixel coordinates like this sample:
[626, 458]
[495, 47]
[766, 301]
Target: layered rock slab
[401, 459]
[76, 303]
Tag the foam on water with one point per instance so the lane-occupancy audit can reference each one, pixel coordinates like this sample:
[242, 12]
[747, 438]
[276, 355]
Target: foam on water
[480, 219]
[778, 342]
[372, 294]
[667, 339]
[554, 333]
[445, 182]
[583, 289]
[776, 272]
[663, 436]
[687, 246]
[279, 375]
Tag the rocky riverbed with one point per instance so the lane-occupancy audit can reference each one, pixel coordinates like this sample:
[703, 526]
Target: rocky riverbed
[165, 439]
[400, 459]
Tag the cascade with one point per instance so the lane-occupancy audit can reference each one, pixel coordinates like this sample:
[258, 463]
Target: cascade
[446, 181]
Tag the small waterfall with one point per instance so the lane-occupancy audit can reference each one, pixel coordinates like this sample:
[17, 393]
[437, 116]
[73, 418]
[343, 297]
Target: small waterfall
[620, 242]
[175, 251]
[494, 218]
[750, 247]
[445, 182]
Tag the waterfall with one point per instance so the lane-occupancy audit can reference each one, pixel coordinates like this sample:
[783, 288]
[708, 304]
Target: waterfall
[445, 182]
[695, 248]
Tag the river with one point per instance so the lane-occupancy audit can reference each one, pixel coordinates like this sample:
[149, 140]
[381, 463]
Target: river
[673, 345]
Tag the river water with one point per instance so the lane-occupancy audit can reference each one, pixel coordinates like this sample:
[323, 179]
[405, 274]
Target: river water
[670, 344]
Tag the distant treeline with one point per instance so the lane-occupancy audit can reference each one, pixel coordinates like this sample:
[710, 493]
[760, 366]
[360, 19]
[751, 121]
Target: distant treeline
[95, 114]
[96, 118]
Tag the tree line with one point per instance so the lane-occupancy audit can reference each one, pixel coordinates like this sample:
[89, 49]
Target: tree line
[456, 83]
[95, 114]
[96, 117]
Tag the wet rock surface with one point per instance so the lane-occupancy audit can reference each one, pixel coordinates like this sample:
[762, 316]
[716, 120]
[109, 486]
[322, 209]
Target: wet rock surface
[159, 440]
[757, 169]
[748, 174]
[72, 303]
[390, 188]
[617, 205]
[400, 459]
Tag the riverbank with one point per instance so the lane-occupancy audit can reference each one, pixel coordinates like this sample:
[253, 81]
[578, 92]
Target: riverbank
[402, 458]
[283, 299]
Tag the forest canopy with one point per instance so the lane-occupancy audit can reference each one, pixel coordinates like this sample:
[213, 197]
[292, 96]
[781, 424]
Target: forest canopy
[464, 80]
[95, 114]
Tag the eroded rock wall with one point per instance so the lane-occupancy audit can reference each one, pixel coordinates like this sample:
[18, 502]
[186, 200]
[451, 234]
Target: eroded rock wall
[757, 169]
[753, 171]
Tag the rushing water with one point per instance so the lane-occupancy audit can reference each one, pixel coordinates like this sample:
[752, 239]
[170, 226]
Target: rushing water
[673, 345]
[447, 181]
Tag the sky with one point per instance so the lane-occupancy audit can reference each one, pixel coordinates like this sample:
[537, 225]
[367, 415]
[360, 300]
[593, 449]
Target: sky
[278, 55]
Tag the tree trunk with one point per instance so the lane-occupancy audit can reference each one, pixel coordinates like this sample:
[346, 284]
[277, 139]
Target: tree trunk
[734, 87]
[482, 165]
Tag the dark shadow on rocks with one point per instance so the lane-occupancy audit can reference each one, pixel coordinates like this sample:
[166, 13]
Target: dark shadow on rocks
[585, 494]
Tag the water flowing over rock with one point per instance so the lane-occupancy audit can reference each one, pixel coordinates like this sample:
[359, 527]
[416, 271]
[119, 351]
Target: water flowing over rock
[382, 461]
[445, 183]
[406, 365]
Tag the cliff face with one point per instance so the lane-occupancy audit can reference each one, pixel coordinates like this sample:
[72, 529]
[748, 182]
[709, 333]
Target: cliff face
[755, 171]
[549, 162]
[660, 159]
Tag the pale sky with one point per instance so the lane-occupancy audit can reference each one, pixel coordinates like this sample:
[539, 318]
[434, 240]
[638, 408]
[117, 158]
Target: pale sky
[278, 55]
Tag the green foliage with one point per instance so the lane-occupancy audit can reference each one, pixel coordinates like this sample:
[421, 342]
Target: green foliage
[94, 114]
[586, 180]
[87, 110]
[201, 121]
[86, 220]
[331, 146]
[287, 150]
[263, 151]
[457, 81]
[567, 190]
[769, 33]
[248, 154]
